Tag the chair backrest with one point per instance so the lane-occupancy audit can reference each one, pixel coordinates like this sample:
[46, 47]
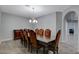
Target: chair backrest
[37, 31]
[41, 32]
[26, 30]
[33, 38]
[17, 34]
[57, 37]
[25, 33]
[48, 33]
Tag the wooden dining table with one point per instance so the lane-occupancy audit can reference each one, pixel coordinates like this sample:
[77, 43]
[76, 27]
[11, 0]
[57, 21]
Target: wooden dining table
[45, 42]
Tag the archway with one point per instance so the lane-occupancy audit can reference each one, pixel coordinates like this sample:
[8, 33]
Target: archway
[71, 29]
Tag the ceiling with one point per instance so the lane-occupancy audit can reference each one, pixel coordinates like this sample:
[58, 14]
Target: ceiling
[27, 11]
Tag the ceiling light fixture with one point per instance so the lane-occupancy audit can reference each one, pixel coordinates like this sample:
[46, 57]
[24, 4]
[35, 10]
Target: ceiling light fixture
[33, 20]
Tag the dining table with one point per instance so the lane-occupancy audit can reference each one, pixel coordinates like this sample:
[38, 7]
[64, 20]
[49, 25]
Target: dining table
[45, 42]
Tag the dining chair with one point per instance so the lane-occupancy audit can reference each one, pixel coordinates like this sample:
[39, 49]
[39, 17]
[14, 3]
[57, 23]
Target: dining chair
[34, 43]
[41, 32]
[22, 37]
[27, 39]
[47, 33]
[53, 46]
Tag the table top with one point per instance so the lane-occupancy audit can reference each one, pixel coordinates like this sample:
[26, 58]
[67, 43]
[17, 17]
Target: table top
[43, 39]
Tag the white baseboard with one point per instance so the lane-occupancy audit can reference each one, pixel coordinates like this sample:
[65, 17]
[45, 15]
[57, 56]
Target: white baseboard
[77, 49]
[5, 39]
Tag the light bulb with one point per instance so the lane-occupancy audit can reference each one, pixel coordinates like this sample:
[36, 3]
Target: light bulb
[30, 21]
[34, 21]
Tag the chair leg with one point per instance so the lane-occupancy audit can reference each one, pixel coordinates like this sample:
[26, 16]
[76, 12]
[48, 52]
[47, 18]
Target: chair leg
[31, 49]
[25, 44]
[53, 52]
[21, 41]
[37, 50]
[44, 50]
[57, 50]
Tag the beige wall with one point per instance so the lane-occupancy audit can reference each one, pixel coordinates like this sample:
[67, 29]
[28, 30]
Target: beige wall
[10, 22]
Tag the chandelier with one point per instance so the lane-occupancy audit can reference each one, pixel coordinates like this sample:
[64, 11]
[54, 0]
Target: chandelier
[33, 20]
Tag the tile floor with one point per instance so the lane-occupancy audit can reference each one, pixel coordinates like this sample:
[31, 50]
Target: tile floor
[15, 47]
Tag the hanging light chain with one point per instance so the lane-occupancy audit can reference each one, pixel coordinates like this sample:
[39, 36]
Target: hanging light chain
[33, 20]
